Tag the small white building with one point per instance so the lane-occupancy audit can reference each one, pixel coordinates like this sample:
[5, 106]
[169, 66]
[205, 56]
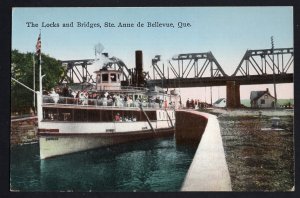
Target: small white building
[220, 103]
[261, 99]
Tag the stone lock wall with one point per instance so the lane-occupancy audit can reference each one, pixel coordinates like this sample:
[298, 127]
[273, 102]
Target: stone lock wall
[189, 127]
[208, 170]
[23, 131]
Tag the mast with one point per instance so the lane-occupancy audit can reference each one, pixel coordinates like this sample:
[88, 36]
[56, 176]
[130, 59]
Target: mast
[39, 51]
[40, 92]
[33, 60]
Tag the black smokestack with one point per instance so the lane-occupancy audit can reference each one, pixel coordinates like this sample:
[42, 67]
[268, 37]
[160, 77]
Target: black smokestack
[139, 68]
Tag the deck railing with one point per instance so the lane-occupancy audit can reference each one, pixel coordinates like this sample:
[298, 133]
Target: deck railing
[119, 88]
[102, 102]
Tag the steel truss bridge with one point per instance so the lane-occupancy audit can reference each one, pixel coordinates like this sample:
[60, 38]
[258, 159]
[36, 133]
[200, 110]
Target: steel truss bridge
[263, 66]
[76, 70]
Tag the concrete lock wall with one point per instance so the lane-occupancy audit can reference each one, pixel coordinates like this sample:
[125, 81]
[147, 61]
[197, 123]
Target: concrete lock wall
[208, 170]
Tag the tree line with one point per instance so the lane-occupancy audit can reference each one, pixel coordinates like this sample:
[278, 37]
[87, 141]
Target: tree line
[22, 65]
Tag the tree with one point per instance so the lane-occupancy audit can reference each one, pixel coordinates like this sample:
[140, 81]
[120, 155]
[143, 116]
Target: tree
[22, 70]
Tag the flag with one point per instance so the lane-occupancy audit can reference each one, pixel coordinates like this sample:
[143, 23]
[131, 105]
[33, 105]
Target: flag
[38, 45]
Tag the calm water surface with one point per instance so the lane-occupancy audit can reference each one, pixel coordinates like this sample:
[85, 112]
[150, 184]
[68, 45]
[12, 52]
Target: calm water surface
[148, 165]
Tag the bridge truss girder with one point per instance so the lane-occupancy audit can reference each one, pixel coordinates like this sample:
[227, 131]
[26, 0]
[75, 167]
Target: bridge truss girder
[73, 72]
[265, 61]
[118, 64]
[186, 63]
[128, 74]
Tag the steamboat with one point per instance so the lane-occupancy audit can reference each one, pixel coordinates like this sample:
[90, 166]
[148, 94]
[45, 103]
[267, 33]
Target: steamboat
[107, 114]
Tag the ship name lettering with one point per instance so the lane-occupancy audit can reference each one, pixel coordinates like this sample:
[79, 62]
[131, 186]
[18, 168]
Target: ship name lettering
[51, 138]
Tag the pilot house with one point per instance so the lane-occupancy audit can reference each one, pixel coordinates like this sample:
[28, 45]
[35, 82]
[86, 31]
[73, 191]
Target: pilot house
[108, 80]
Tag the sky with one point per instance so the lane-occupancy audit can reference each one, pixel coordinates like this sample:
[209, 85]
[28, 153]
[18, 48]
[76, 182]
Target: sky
[225, 31]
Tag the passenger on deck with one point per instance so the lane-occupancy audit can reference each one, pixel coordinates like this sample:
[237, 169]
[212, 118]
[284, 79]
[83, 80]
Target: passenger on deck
[104, 101]
[125, 101]
[129, 101]
[117, 117]
[188, 103]
[66, 92]
[54, 96]
[192, 104]
[83, 96]
[157, 100]
[74, 94]
[114, 100]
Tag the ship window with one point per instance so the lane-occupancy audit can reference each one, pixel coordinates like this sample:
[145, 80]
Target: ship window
[80, 115]
[65, 115]
[151, 115]
[104, 77]
[99, 79]
[113, 77]
[107, 116]
[93, 115]
[50, 114]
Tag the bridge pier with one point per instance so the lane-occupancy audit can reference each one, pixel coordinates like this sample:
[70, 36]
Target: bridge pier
[233, 94]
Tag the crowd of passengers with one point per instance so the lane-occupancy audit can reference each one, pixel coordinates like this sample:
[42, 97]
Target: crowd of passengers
[124, 118]
[102, 99]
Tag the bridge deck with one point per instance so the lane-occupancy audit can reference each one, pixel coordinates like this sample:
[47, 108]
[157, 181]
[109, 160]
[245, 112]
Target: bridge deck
[221, 81]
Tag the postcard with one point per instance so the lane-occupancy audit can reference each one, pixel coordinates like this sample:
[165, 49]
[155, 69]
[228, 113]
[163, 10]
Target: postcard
[152, 99]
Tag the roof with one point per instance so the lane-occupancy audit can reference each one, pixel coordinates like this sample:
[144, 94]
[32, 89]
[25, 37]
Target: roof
[219, 100]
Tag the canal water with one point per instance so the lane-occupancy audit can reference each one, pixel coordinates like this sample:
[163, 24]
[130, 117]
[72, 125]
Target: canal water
[149, 165]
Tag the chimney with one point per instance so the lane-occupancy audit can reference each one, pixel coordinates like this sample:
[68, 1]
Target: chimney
[139, 68]
[105, 54]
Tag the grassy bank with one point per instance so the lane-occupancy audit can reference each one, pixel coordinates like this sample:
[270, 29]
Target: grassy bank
[258, 160]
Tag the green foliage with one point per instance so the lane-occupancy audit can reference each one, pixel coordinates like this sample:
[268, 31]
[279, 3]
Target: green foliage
[22, 70]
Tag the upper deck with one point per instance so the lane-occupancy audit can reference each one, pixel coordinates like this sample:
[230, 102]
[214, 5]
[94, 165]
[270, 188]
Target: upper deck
[56, 101]
[104, 109]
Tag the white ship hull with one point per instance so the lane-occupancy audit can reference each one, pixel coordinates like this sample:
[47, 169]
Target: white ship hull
[60, 138]
[60, 144]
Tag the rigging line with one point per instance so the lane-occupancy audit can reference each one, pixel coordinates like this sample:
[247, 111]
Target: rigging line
[148, 120]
